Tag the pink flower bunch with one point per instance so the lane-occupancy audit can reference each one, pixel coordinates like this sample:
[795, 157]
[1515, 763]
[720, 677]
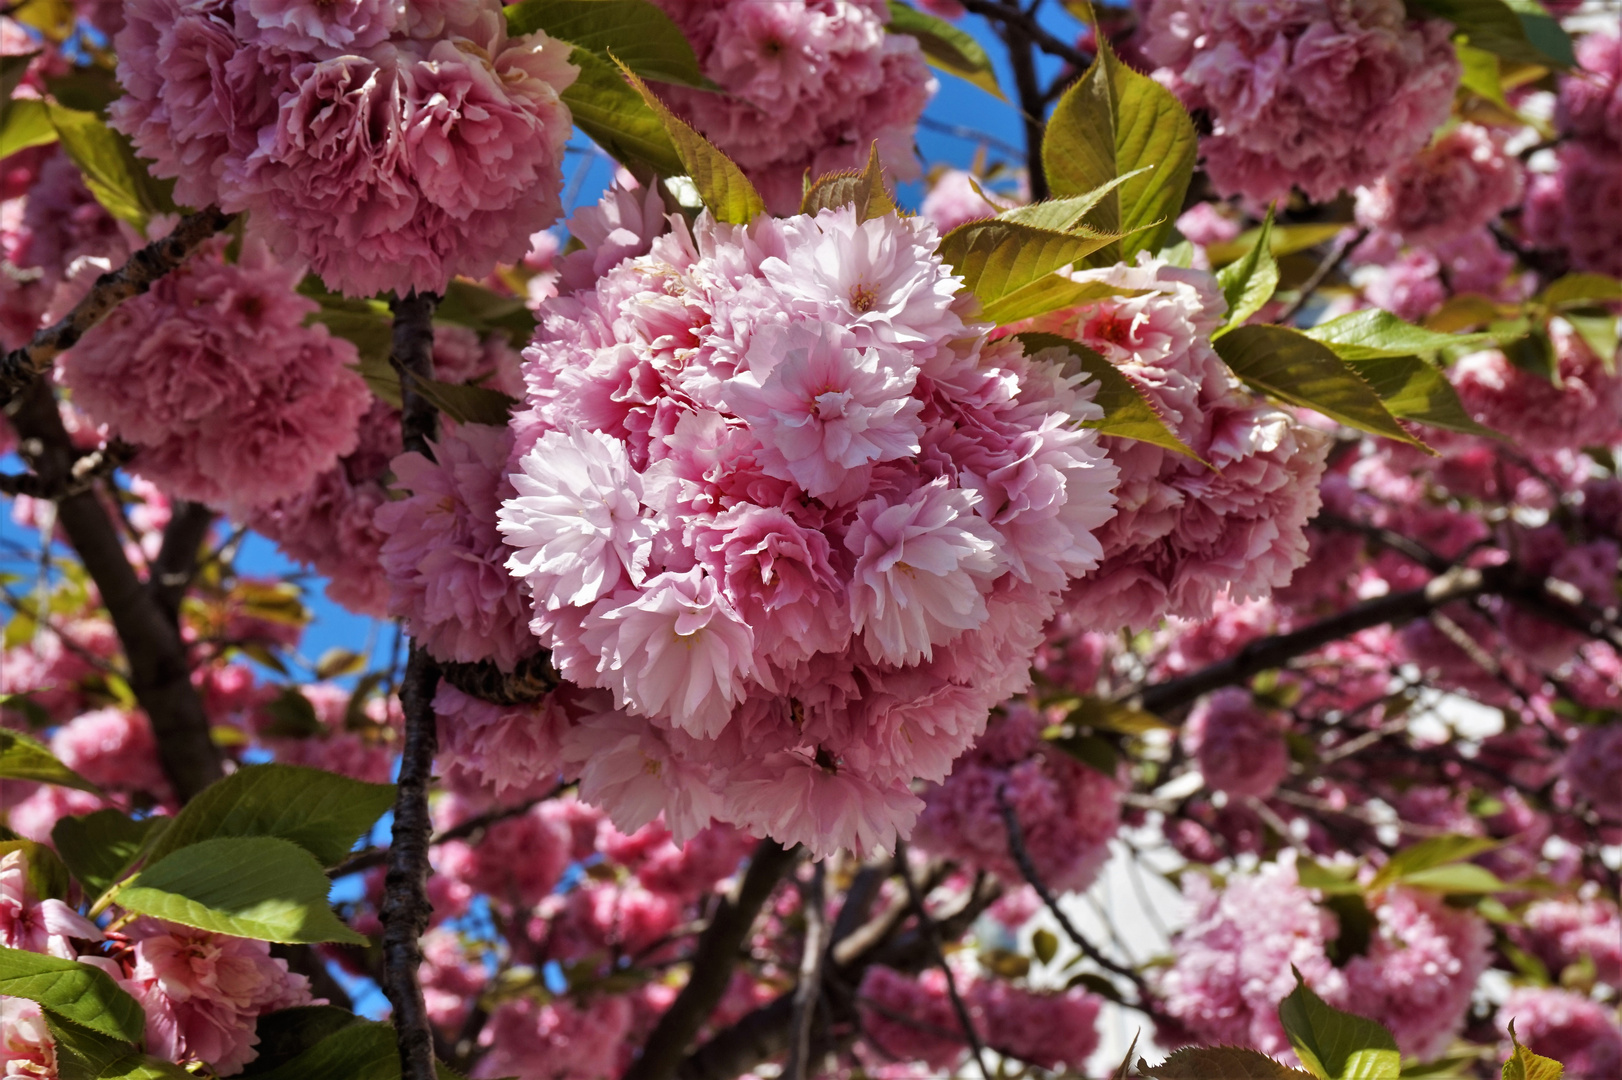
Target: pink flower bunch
[443, 555]
[1585, 409]
[1186, 533]
[391, 145]
[113, 748]
[1574, 207]
[1590, 105]
[799, 518]
[1067, 812]
[1460, 182]
[911, 1019]
[1582, 1035]
[1593, 768]
[33, 924]
[26, 1046]
[356, 747]
[501, 748]
[1322, 95]
[203, 993]
[1238, 745]
[1414, 282]
[516, 863]
[808, 85]
[213, 375]
[328, 525]
[1564, 932]
[561, 1040]
[952, 200]
[1053, 1031]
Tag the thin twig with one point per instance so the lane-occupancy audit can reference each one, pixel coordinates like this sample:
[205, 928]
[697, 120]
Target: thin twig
[1330, 264]
[82, 477]
[1011, 15]
[808, 991]
[366, 860]
[20, 367]
[932, 936]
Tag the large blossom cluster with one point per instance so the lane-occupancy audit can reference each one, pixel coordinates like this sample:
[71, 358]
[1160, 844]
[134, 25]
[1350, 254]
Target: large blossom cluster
[1583, 409]
[231, 400]
[1573, 206]
[1323, 95]
[797, 516]
[390, 145]
[1460, 182]
[809, 84]
[1188, 532]
[1239, 745]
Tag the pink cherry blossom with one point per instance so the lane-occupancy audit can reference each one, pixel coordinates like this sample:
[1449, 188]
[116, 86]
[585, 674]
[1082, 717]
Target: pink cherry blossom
[114, 749]
[36, 924]
[953, 200]
[1580, 1034]
[26, 1047]
[1584, 409]
[1458, 183]
[1239, 746]
[1574, 207]
[1590, 106]
[317, 25]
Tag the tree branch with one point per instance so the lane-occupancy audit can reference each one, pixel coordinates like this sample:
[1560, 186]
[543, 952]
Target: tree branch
[171, 573]
[413, 358]
[160, 673]
[366, 860]
[1012, 15]
[1330, 264]
[712, 964]
[1031, 98]
[20, 367]
[932, 937]
[808, 991]
[81, 477]
[532, 679]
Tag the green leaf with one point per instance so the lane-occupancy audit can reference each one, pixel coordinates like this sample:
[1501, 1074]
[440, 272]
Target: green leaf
[1428, 854]
[1070, 212]
[1601, 332]
[469, 404]
[864, 190]
[1127, 412]
[285, 1035]
[12, 70]
[1335, 1045]
[726, 192]
[83, 1054]
[1357, 926]
[1094, 751]
[945, 46]
[616, 118]
[1045, 945]
[487, 311]
[23, 758]
[1055, 292]
[1249, 283]
[118, 180]
[360, 1051]
[1525, 1065]
[996, 259]
[1106, 715]
[47, 877]
[292, 716]
[322, 812]
[1374, 332]
[101, 848]
[1416, 390]
[1292, 367]
[1581, 289]
[1454, 879]
[1544, 31]
[1113, 121]
[643, 37]
[1224, 1062]
[247, 886]
[1282, 240]
[1498, 28]
[74, 991]
[1329, 880]
[23, 124]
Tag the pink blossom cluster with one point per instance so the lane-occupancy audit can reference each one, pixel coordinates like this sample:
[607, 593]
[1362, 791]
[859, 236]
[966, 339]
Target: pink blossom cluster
[231, 400]
[389, 144]
[1573, 207]
[1067, 812]
[1234, 957]
[953, 200]
[33, 923]
[1593, 768]
[1565, 932]
[799, 519]
[1187, 532]
[1583, 409]
[1581, 1034]
[1322, 95]
[1411, 283]
[1459, 183]
[807, 85]
[1238, 744]
[114, 749]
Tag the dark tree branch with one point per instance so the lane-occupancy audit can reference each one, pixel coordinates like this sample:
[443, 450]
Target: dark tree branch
[532, 679]
[1012, 15]
[81, 477]
[808, 991]
[1032, 102]
[413, 358]
[160, 674]
[712, 964]
[406, 908]
[1330, 264]
[20, 367]
[172, 571]
[1460, 583]
[932, 937]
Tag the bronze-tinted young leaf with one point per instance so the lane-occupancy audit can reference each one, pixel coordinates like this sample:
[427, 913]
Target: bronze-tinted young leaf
[864, 190]
[1220, 1063]
[1054, 292]
[996, 258]
[470, 404]
[119, 181]
[639, 33]
[1127, 412]
[1525, 1065]
[953, 51]
[1581, 289]
[1282, 240]
[726, 192]
[1114, 121]
[1292, 367]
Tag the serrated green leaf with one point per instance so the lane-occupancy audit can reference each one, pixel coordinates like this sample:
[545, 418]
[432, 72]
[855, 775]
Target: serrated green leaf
[1455, 879]
[83, 1054]
[1220, 1063]
[646, 39]
[1292, 367]
[1336, 1045]
[1113, 121]
[726, 191]
[322, 812]
[286, 1034]
[100, 849]
[1282, 240]
[1496, 27]
[946, 47]
[996, 259]
[118, 180]
[1063, 215]
[1374, 332]
[1427, 855]
[1329, 880]
[24, 758]
[1601, 332]
[74, 991]
[864, 190]
[1249, 283]
[616, 118]
[1581, 289]
[360, 1051]
[1055, 292]
[1416, 390]
[1525, 1065]
[469, 404]
[1127, 413]
[257, 887]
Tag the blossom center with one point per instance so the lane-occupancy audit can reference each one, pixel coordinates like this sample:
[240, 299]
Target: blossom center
[862, 298]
